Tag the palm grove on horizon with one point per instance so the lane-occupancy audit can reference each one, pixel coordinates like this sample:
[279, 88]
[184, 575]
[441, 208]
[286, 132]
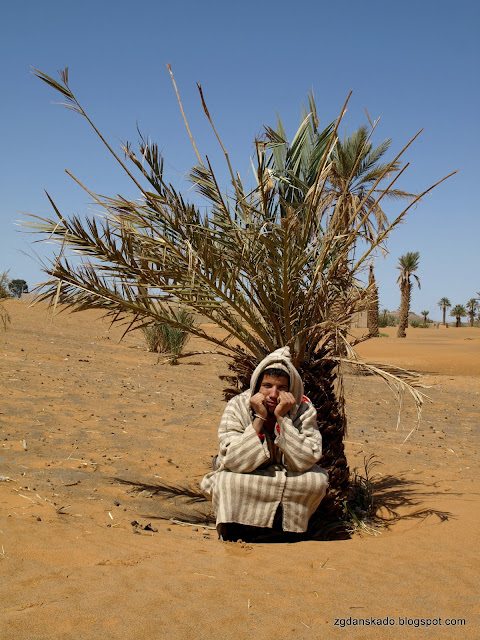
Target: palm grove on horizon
[408, 264]
[459, 311]
[280, 262]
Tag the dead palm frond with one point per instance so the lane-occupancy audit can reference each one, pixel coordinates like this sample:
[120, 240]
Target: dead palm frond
[4, 281]
[4, 317]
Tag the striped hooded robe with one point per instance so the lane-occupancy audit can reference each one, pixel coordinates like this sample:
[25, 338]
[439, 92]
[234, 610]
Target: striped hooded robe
[252, 477]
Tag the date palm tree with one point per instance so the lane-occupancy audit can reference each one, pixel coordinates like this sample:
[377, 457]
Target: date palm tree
[258, 262]
[408, 263]
[472, 307]
[444, 304]
[424, 314]
[373, 309]
[458, 312]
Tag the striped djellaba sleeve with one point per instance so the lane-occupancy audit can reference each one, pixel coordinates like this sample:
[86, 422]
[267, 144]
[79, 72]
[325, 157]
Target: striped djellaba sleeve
[300, 441]
[241, 450]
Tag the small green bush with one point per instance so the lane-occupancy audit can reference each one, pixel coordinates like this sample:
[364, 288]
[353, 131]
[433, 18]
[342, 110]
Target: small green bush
[419, 324]
[387, 320]
[163, 338]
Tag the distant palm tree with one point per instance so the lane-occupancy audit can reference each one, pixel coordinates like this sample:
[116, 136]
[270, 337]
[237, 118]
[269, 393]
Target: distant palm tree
[458, 312]
[372, 311]
[424, 314]
[444, 303]
[408, 263]
[472, 308]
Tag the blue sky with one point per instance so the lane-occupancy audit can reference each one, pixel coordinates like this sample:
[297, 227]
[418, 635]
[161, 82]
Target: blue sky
[415, 64]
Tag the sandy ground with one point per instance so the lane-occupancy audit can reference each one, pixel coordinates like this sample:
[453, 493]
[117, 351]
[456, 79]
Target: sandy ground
[104, 425]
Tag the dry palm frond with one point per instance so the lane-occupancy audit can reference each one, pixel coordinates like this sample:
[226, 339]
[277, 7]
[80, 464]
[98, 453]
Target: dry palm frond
[399, 380]
[4, 280]
[168, 491]
[4, 317]
[181, 504]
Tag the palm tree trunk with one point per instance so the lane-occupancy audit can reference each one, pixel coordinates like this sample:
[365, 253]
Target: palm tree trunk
[373, 310]
[336, 312]
[323, 386]
[444, 312]
[406, 291]
[340, 280]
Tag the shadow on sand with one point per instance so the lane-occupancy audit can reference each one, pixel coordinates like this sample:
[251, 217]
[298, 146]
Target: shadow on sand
[396, 498]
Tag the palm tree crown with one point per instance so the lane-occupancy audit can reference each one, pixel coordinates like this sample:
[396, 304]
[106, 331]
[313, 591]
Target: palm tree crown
[351, 193]
[472, 308]
[458, 312]
[444, 303]
[408, 263]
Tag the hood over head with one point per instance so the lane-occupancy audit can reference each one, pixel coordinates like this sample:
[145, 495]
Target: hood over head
[280, 359]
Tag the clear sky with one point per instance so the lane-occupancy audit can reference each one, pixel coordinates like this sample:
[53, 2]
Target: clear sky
[413, 63]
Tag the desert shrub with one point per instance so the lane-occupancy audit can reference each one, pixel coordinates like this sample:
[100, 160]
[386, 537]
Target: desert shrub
[383, 335]
[4, 280]
[386, 320]
[163, 338]
[4, 293]
[4, 317]
[418, 324]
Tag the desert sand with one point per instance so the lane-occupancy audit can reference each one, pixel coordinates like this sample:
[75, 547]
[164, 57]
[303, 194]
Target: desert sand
[92, 426]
